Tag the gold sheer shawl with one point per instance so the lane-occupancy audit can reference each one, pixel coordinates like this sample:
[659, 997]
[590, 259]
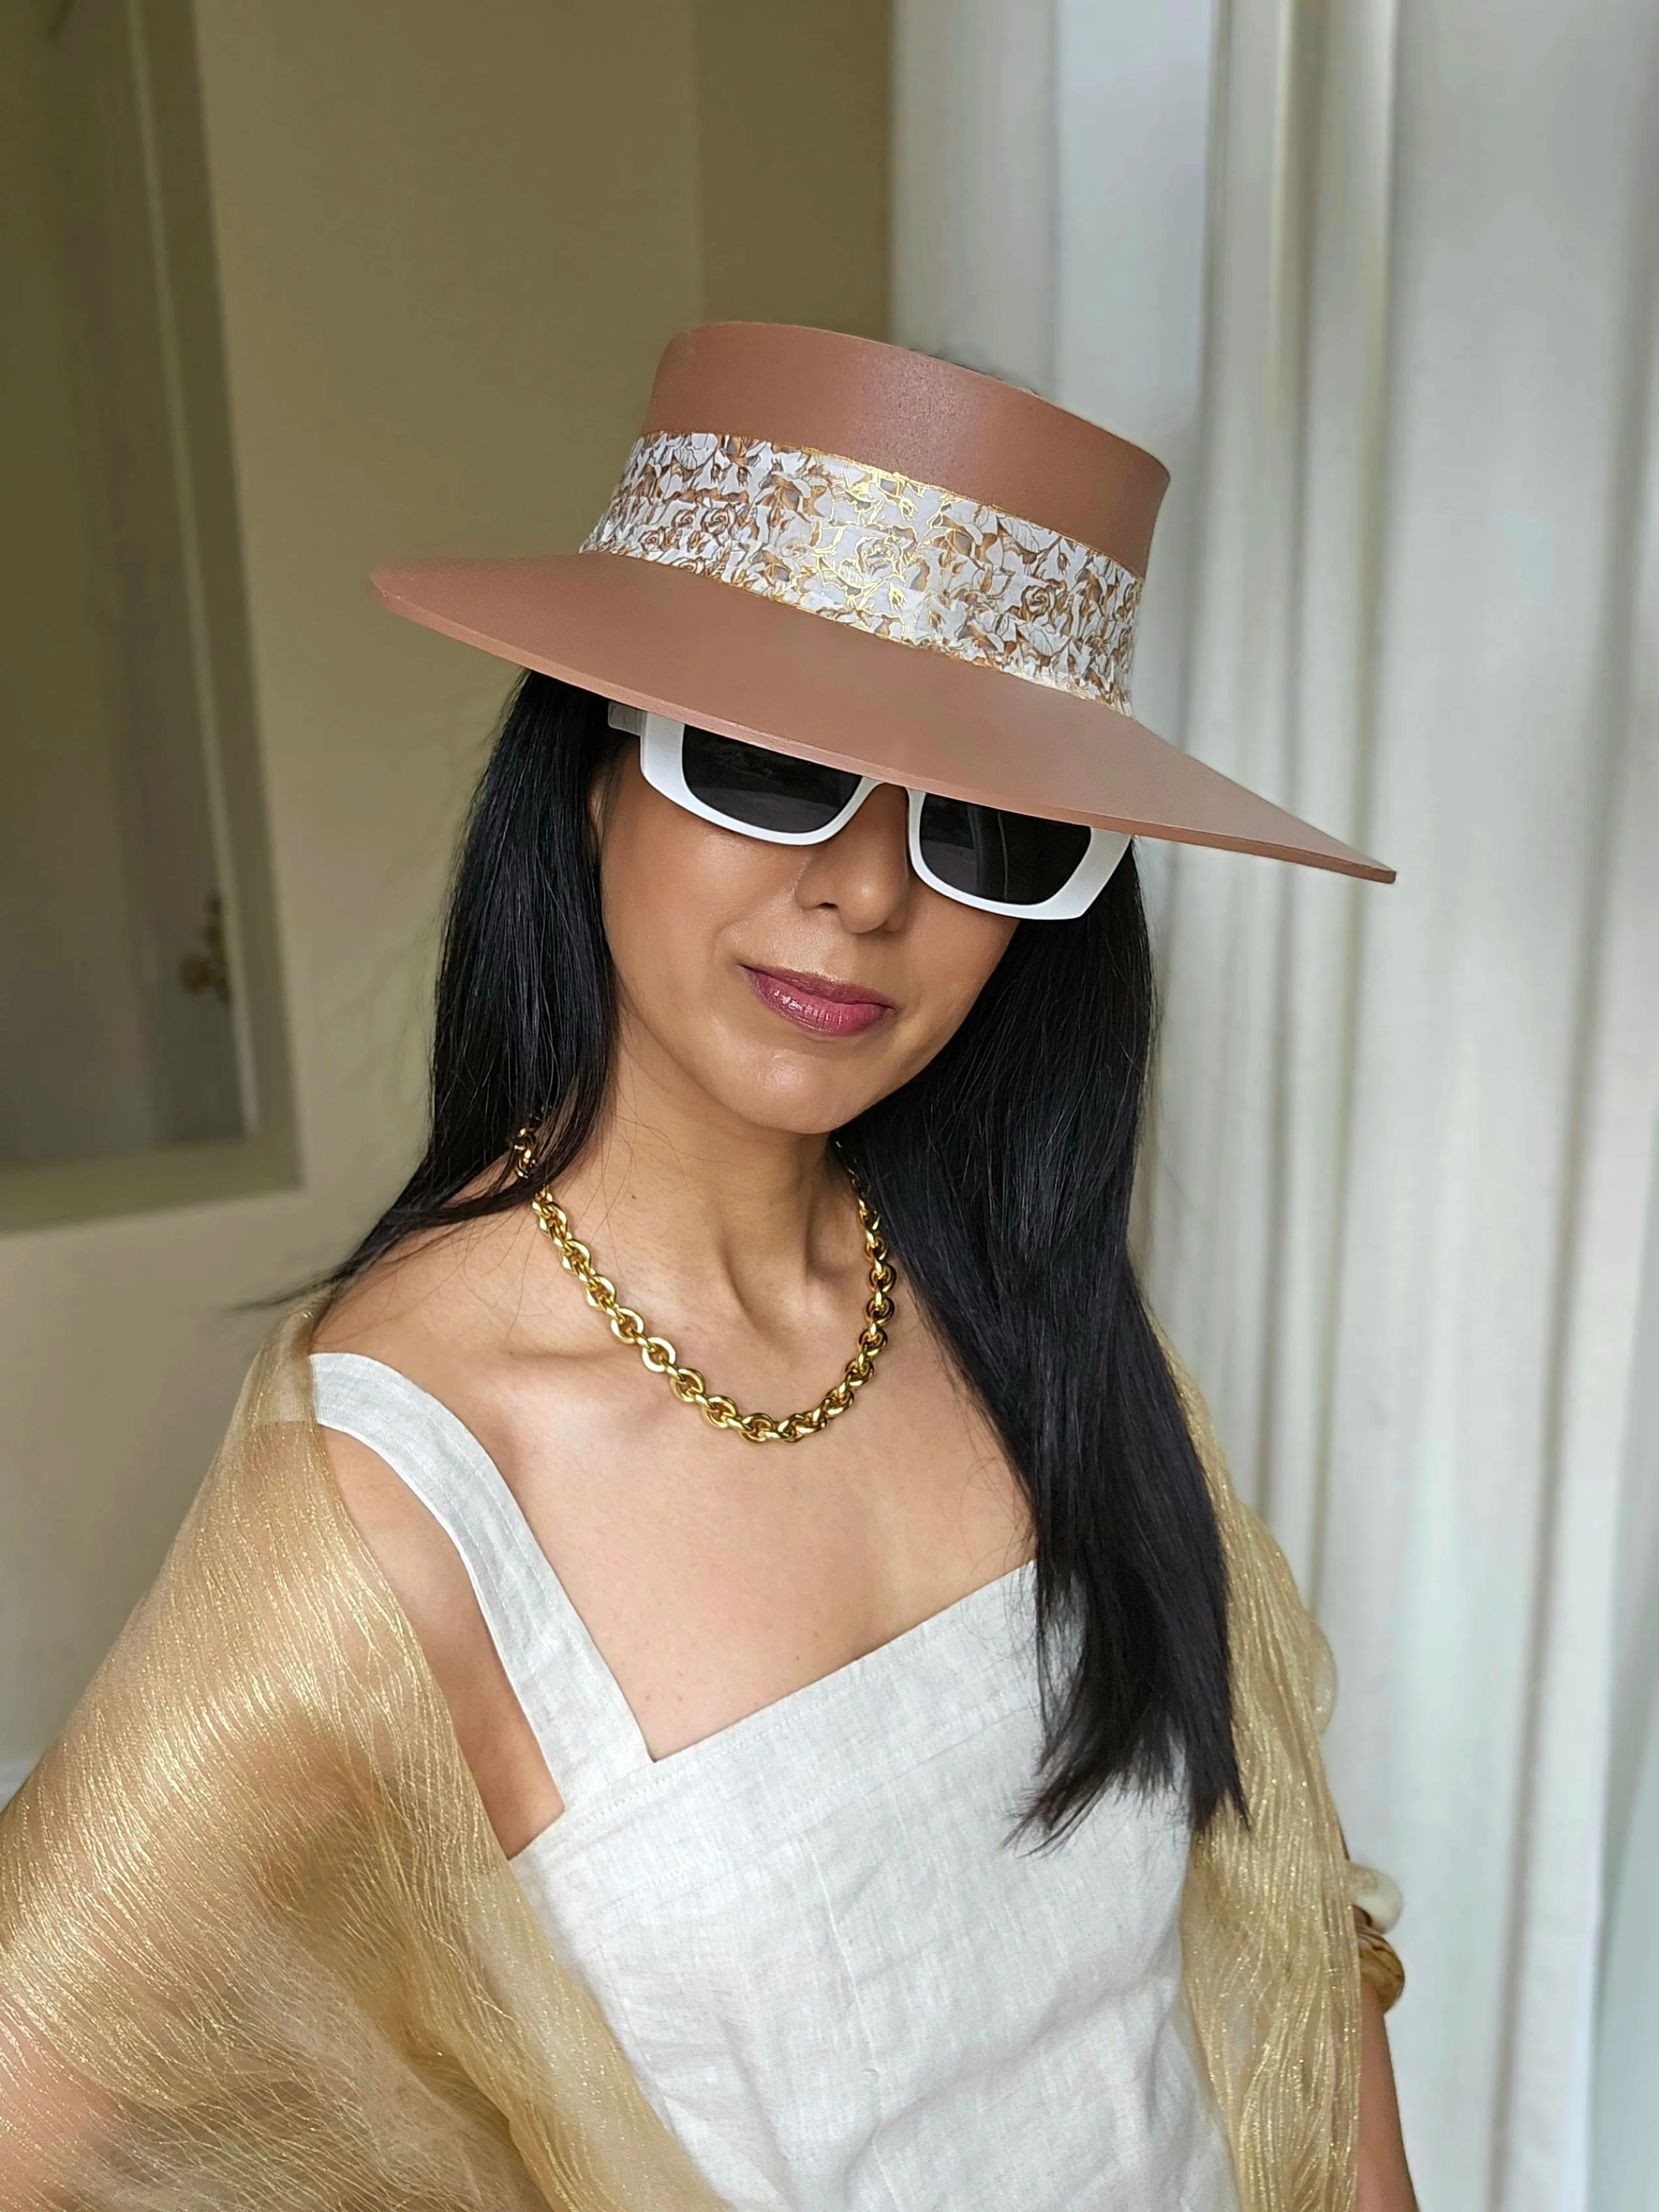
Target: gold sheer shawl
[258, 1947]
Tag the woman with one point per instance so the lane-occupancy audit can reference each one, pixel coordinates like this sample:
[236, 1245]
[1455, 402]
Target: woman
[923, 1809]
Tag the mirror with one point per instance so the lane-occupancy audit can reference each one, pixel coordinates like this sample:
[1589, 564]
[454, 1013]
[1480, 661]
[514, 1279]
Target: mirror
[133, 877]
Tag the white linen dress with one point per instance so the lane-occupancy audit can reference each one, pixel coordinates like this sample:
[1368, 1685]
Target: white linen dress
[838, 1983]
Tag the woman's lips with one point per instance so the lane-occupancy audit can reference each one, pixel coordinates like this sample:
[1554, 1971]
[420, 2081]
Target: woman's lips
[818, 1003]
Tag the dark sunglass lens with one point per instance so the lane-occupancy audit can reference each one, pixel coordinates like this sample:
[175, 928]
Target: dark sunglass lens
[1018, 859]
[760, 789]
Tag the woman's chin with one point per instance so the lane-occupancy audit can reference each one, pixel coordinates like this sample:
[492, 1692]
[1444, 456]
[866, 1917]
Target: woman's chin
[792, 1094]
[805, 1112]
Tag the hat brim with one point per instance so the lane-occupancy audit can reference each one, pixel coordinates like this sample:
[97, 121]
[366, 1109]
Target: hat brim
[682, 644]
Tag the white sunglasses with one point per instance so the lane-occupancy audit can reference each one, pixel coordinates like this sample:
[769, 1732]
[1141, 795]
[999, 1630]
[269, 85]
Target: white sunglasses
[1019, 865]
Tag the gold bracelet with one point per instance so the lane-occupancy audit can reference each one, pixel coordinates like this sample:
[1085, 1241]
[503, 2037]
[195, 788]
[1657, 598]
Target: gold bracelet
[1379, 1962]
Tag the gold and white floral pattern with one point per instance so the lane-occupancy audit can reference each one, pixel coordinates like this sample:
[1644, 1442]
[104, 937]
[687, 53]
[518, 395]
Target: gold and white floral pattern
[888, 555]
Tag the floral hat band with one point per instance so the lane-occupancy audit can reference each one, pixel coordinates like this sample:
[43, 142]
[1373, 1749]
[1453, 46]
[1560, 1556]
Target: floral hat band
[886, 553]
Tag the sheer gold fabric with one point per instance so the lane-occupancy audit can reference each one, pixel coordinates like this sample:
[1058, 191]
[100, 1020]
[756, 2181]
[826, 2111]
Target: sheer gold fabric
[1270, 1954]
[258, 1947]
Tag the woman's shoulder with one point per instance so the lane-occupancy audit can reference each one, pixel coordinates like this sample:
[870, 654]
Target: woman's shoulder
[412, 1311]
[439, 1312]
[438, 1287]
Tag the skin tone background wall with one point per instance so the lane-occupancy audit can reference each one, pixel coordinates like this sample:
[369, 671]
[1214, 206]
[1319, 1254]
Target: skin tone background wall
[451, 243]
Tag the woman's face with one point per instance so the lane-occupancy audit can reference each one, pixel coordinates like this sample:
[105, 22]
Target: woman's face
[793, 984]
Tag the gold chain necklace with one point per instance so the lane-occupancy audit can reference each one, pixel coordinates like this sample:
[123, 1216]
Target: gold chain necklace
[660, 1357]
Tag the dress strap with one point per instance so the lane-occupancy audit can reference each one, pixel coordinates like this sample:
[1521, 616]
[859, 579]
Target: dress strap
[585, 1727]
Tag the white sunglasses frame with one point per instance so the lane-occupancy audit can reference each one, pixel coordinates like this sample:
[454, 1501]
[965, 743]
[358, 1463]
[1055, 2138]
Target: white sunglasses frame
[662, 765]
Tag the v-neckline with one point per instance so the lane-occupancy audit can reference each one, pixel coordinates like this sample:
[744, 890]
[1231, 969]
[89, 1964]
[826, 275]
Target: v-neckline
[837, 1680]
[535, 1584]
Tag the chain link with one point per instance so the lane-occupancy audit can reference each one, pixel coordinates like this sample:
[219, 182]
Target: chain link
[629, 1327]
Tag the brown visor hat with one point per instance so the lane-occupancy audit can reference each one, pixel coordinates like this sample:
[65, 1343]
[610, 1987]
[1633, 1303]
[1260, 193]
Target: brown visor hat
[880, 562]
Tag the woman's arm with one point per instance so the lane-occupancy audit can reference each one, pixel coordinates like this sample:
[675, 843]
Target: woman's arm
[1385, 2184]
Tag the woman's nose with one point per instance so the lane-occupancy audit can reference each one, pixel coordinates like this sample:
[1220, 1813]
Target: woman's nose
[863, 871]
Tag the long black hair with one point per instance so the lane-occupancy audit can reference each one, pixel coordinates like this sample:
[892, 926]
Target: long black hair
[1002, 1173]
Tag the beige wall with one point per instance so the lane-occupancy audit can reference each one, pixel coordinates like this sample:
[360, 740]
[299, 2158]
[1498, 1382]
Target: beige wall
[452, 242]
[793, 115]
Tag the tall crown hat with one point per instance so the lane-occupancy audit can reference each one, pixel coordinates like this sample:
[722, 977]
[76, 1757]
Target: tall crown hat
[882, 562]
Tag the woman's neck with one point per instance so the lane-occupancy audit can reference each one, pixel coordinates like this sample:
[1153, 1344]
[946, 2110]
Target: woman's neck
[682, 1195]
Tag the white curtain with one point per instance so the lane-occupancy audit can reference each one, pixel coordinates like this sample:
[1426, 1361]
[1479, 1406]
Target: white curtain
[1406, 1137]
[1625, 2157]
